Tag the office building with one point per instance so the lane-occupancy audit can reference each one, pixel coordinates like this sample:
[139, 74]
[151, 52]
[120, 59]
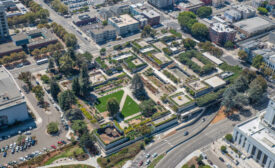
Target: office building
[254, 26]
[136, 9]
[13, 106]
[161, 3]
[4, 29]
[152, 16]
[120, 9]
[207, 2]
[256, 137]
[76, 4]
[245, 10]
[143, 21]
[220, 33]
[232, 15]
[124, 24]
[217, 3]
[191, 5]
[103, 34]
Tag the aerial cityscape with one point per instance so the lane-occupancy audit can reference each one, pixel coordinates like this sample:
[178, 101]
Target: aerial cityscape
[137, 83]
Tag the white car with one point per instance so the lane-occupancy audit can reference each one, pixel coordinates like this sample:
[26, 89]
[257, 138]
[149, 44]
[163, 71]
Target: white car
[147, 155]
[155, 155]
[22, 159]
[148, 162]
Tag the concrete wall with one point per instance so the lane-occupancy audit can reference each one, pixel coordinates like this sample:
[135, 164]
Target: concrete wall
[18, 112]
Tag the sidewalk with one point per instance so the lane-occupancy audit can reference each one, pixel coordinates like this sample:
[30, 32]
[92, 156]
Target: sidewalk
[91, 162]
[189, 157]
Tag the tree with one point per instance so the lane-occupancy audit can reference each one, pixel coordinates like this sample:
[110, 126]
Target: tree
[186, 20]
[138, 88]
[262, 10]
[204, 11]
[45, 78]
[242, 55]
[83, 80]
[102, 51]
[257, 88]
[112, 106]
[229, 137]
[257, 61]
[80, 127]
[189, 43]
[54, 89]
[223, 149]
[52, 128]
[51, 64]
[66, 64]
[199, 30]
[87, 141]
[70, 40]
[147, 108]
[74, 114]
[229, 45]
[75, 85]
[26, 78]
[228, 99]
[39, 93]
[105, 22]
[66, 99]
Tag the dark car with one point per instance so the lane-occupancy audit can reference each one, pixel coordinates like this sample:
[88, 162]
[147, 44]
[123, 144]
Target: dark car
[4, 154]
[221, 159]
[33, 142]
[64, 142]
[186, 133]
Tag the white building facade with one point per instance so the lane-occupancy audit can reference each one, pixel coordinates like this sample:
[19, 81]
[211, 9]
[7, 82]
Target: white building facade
[13, 106]
[256, 137]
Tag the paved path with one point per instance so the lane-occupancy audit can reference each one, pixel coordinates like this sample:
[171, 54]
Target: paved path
[91, 162]
[189, 157]
[122, 101]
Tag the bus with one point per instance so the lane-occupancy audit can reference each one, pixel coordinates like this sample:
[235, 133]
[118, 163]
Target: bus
[42, 61]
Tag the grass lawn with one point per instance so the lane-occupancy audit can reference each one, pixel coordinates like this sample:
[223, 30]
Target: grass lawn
[130, 107]
[102, 106]
[67, 153]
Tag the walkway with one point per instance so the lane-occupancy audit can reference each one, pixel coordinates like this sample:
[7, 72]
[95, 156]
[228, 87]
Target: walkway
[91, 162]
[122, 100]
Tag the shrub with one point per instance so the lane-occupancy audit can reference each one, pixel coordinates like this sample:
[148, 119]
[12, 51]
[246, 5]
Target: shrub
[223, 149]
[229, 137]
[52, 128]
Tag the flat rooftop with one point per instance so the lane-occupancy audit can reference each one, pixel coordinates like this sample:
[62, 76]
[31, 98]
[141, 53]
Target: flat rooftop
[219, 27]
[9, 92]
[123, 20]
[215, 82]
[254, 129]
[150, 13]
[254, 24]
[198, 85]
[102, 29]
[5, 47]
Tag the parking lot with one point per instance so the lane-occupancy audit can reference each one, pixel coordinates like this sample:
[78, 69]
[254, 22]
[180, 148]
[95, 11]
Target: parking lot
[42, 139]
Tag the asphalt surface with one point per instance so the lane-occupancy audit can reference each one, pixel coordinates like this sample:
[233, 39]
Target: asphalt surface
[84, 44]
[43, 139]
[162, 145]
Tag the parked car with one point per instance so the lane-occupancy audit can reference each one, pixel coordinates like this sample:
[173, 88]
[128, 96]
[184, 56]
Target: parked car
[221, 159]
[53, 146]
[148, 162]
[140, 163]
[4, 154]
[186, 133]
[64, 142]
[33, 142]
[155, 155]
[59, 143]
[147, 155]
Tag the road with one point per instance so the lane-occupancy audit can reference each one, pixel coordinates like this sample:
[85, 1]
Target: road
[84, 44]
[43, 139]
[162, 145]
[210, 134]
